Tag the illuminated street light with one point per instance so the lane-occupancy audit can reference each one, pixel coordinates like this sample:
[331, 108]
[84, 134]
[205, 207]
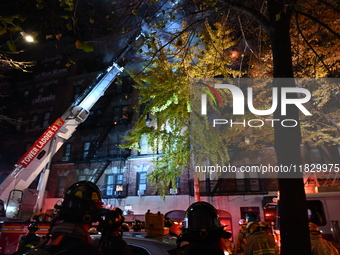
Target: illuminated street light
[28, 38]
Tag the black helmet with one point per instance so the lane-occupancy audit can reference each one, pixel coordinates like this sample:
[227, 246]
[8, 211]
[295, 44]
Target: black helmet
[201, 224]
[201, 216]
[33, 227]
[82, 202]
[113, 219]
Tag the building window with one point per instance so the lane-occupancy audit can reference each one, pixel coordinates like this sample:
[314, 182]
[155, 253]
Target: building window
[82, 178]
[77, 91]
[248, 182]
[114, 183]
[141, 183]
[86, 149]
[45, 123]
[250, 213]
[34, 121]
[67, 152]
[61, 186]
[315, 155]
[144, 145]
[177, 188]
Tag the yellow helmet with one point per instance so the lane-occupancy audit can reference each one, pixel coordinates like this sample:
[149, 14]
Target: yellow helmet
[252, 227]
[313, 227]
[93, 231]
[263, 225]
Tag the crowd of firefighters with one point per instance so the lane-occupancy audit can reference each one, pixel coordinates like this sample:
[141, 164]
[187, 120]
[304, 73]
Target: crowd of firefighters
[201, 232]
[258, 238]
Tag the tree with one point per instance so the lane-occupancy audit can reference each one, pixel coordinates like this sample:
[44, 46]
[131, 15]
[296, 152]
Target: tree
[164, 87]
[314, 42]
[275, 18]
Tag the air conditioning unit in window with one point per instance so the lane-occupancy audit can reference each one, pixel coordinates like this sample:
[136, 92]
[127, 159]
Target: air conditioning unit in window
[65, 158]
[141, 192]
[173, 191]
[118, 193]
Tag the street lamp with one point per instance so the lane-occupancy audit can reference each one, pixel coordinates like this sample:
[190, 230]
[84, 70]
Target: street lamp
[28, 38]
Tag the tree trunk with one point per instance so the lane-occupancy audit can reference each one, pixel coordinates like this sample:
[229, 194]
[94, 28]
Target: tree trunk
[292, 204]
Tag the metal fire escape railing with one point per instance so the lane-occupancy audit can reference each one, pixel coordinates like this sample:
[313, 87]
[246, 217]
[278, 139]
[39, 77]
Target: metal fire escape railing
[118, 155]
[100, 170]
[231, 186]
[98, 141]
[320, 170]
[98, 111]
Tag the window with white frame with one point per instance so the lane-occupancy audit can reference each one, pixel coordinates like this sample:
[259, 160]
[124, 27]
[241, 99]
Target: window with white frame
[114, 183]
[61, 186]
[86, 149]
[141, 182]
[144, 146]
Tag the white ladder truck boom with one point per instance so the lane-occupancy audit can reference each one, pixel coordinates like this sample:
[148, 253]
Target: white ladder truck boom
[37, 159]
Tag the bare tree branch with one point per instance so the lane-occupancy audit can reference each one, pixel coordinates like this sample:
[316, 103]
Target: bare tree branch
[309, 45]
[319, 22]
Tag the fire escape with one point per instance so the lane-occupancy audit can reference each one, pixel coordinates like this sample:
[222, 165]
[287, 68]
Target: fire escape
[114, 156]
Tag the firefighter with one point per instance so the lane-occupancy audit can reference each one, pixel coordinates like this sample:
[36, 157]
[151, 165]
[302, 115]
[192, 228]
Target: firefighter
[202, 232]
[137, 225]
[228, 247]
[111, 242]
[265, 227]
[30, 240]
[240, 239]
[68, 233]
[259, 241]
[319, 245]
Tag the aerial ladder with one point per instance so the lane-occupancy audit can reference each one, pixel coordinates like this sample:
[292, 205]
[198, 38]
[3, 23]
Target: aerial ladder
[37, 159]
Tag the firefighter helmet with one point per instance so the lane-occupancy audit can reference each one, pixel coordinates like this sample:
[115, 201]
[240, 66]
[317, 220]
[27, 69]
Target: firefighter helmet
[242, 222]
[93, 231]
[112, 221]
[125, 227]
[201, 224]
[263, 225]
[252, 227]
[33, 227]
[137, 225]
[82, 202]
[201, 215]
[313, 227]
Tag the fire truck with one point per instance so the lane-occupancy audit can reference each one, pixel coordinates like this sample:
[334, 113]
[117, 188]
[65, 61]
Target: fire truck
[323, 210]
[18, 202]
